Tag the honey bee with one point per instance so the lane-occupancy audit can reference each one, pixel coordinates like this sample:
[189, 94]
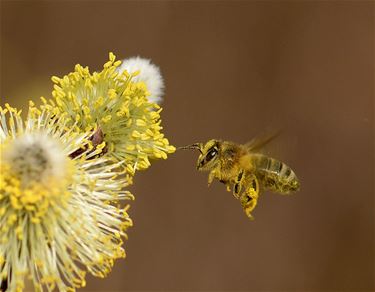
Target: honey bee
[245, 169]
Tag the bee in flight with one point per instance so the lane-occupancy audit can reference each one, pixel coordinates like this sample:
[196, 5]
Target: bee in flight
[245, 169]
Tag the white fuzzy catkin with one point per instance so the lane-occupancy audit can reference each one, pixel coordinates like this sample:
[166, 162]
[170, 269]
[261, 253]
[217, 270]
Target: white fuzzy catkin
[148, 73]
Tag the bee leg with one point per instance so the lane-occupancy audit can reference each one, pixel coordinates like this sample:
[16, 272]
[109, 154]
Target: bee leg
[211, 177]
[249, 199]
[227, 184]
[238, 185]
[249, 203]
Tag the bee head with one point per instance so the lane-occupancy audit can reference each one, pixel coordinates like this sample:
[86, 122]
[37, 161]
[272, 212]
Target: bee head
[208, 153]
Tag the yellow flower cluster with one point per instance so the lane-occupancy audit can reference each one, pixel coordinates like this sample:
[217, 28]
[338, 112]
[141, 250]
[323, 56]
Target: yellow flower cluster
[58, 213]
[29, 178]
[63, 172]
[119, 107]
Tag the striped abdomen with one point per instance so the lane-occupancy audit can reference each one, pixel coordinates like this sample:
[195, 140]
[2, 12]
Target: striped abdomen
[275, 175]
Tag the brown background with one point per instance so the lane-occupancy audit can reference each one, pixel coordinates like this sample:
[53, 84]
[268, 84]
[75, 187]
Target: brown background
[232, 70]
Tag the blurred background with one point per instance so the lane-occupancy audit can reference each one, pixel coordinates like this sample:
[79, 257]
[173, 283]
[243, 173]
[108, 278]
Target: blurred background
[233, 69]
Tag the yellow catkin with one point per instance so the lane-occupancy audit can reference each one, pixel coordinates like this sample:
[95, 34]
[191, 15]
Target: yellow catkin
[119, 106]
[43, 189]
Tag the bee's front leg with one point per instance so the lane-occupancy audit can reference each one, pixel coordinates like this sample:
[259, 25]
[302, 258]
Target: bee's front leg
[227, 184]
[211, 177]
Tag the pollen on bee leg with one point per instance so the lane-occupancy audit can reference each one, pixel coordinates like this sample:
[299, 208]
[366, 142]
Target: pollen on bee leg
[248, 214]
[249, 200]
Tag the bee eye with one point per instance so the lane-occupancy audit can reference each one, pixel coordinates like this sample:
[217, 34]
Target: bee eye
[211, 154]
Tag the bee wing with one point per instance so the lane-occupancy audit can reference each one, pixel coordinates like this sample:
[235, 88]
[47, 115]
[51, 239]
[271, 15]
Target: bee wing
[260, 141]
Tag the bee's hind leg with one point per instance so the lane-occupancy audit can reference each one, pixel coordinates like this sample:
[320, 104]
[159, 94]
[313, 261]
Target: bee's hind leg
[249, 198]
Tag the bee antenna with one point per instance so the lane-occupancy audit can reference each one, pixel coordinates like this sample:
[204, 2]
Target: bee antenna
[197, 146]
